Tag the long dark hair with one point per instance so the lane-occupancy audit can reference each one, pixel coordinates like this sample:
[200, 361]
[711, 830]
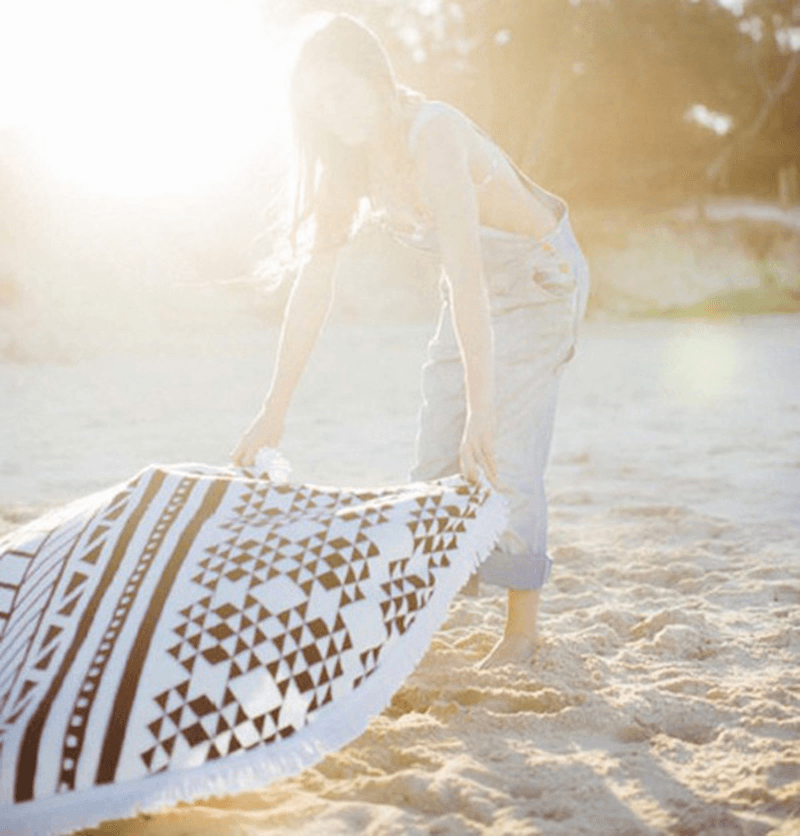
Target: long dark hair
[332, 177]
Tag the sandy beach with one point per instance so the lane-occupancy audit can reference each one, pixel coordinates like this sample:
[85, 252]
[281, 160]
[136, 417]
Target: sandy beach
[166, 170]
[665, 695]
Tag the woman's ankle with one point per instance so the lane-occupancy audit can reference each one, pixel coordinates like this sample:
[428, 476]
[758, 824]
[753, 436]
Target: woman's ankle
[522, 614]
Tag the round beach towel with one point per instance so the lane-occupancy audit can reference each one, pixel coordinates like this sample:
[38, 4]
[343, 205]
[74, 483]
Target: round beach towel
[202, 631]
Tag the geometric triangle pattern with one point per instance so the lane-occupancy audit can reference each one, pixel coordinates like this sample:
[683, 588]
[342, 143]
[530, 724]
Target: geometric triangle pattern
[202, 627]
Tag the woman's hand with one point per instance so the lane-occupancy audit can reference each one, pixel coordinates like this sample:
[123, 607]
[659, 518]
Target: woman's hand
[265, 431]
[477, 447]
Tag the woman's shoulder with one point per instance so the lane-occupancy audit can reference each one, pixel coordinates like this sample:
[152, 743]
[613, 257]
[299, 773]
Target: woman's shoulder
[435, 117]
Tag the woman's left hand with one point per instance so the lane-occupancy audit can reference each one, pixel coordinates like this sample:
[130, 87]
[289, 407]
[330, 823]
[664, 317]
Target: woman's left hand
[477, 447]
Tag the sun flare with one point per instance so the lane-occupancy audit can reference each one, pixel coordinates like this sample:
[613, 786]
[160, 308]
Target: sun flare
[146, 97]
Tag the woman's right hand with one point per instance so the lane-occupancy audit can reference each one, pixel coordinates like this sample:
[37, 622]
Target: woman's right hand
[265, 431]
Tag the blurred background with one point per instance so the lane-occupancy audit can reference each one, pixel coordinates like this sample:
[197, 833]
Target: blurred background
[144, 155]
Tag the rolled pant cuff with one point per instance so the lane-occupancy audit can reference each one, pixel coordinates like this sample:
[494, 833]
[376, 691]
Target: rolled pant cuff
[516, 571]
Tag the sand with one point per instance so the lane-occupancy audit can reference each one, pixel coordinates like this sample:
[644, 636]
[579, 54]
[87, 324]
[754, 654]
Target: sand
[665, 696]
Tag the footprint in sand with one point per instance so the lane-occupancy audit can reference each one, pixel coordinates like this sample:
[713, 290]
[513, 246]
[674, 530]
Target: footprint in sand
[696, 722]
[671, 511]
[539, 700]
[786, 594]
[786, 772]
[506, 701]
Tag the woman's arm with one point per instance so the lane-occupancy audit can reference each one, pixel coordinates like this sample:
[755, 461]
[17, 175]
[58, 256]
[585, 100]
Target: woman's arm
[443, 163]
[305, 314]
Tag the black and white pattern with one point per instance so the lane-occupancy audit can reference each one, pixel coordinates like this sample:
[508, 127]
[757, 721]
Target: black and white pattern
[204, 630]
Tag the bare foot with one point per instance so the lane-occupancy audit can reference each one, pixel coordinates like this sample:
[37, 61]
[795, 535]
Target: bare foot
[512, 649]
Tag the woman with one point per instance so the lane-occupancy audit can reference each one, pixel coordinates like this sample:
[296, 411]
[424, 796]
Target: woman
[514, 287]
[201, 629]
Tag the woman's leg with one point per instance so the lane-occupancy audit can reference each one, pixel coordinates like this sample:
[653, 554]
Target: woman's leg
[525, 416]
[520, 636]
[520, 562]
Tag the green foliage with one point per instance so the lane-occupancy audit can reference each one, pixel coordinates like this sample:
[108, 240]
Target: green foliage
[592, 96]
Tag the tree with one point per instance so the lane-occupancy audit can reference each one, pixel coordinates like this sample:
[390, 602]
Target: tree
[599, 99]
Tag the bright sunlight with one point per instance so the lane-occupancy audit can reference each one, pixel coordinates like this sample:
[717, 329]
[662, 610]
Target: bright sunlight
[145, 97]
